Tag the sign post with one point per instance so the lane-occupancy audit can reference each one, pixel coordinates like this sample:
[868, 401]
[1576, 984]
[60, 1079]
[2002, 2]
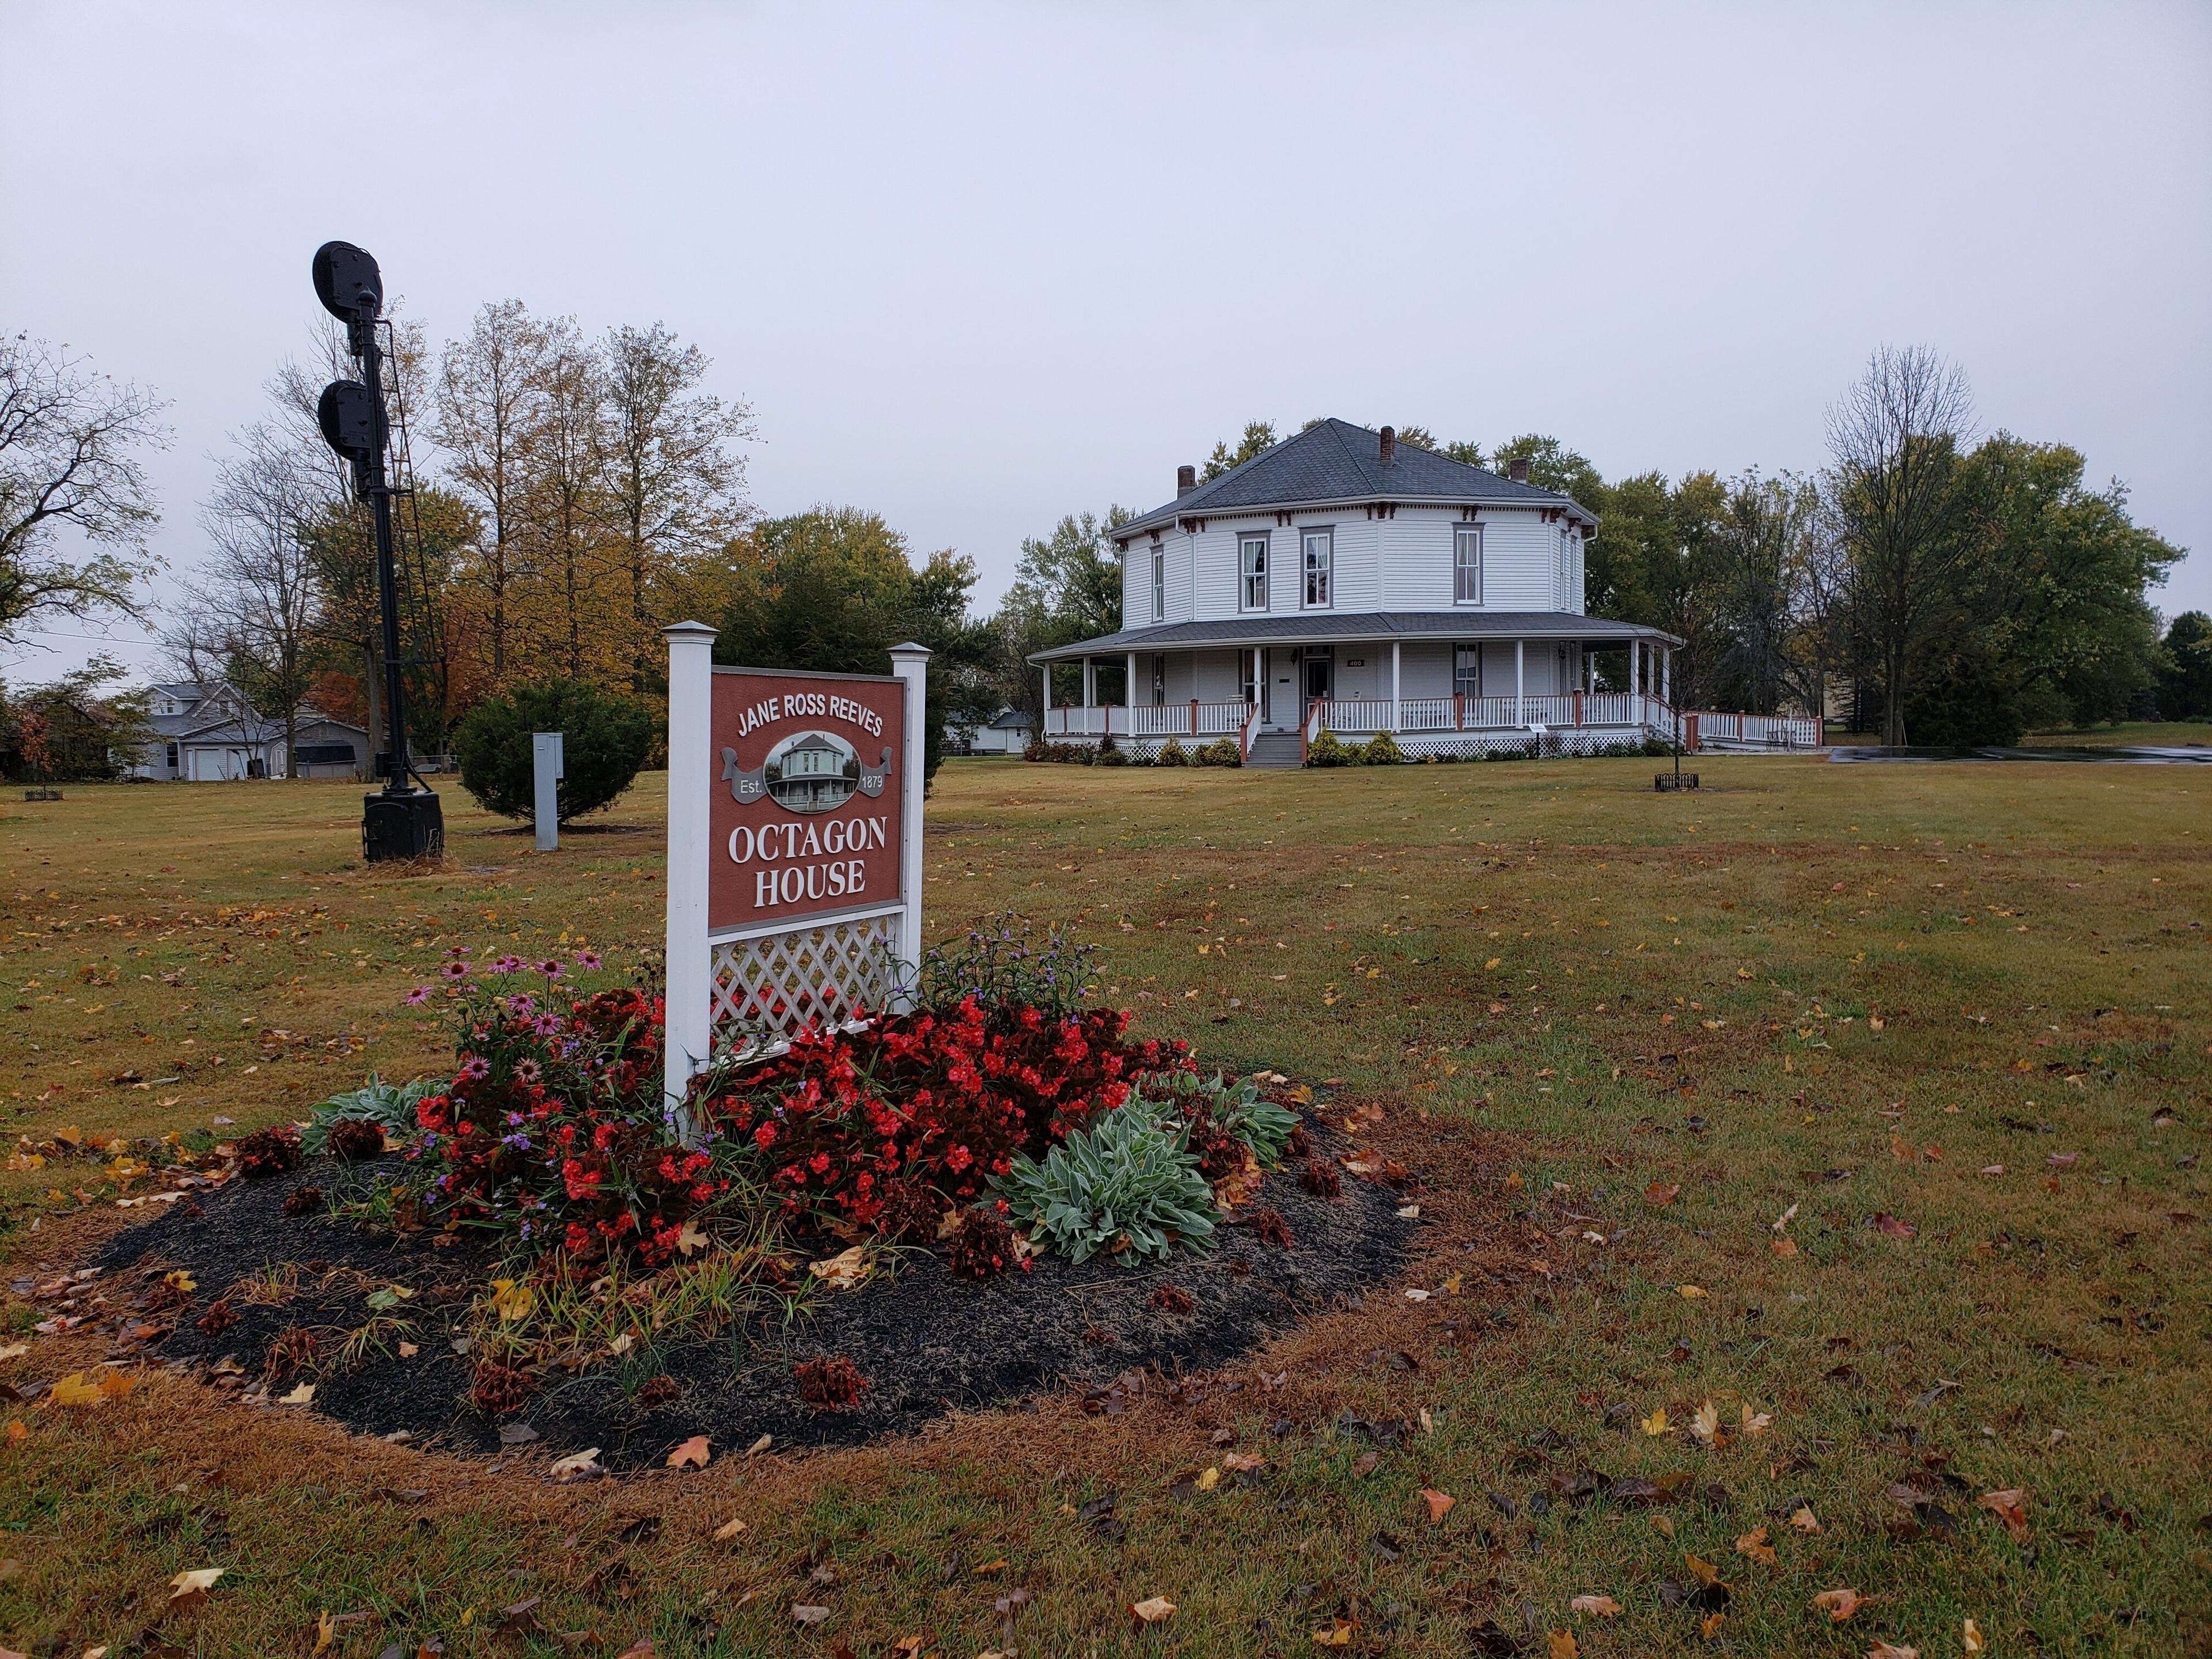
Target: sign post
[794, 851]
[545, 774]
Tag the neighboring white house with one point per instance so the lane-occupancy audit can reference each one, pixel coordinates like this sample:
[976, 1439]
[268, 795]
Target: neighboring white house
[1007, 733]
[1344, 580]
[209, 734]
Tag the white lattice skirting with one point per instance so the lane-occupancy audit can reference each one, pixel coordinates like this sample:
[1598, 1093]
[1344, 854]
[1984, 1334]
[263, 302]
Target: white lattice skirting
[772, 985]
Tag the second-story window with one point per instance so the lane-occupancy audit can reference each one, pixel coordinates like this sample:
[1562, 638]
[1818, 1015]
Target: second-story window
[1159, 584]
[1320, 548]
[1466, 564]
[1252, 573]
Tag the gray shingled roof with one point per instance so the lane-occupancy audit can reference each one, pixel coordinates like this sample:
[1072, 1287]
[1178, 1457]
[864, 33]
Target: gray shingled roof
[1318, 627]
[1336, 461]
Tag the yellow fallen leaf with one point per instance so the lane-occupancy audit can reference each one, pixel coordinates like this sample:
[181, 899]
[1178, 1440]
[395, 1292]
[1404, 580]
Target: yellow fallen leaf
[1690, 1292]
[15, 1351]
[1839, 1604]
[179, 1279]
[1804, 1520]
[1705, 1424]
[1754, 1545]
[1603, 1606]
[1154, 1609]
[1704, 1571]
[1664, 1525]
[326, 1632]
[1209, 1480]
[74, 1390]
[1560, 1645]
[690, 1241]
[842, 1270]
[728, 1531]
[189, 1590]
[304, 1394]
[17, 1434]
[1972, 1637]
[1439, 1504]
[1657, 1422]
[1784, 1247]
[1709, 1626]
[512, 1301]
[693, 1451]
[1338, 1635]
[1757, 1422]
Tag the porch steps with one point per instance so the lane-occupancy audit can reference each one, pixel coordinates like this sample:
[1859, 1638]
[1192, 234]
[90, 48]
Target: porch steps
[1274, 752]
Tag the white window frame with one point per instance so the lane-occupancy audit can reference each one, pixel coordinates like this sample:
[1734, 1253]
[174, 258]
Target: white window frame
[1324, 534]
[1251, 584]
[1160, 583]
[1474, 652]
[1462, 535]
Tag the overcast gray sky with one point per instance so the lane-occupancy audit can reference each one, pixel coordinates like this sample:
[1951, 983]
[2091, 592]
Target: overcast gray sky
[977, 266]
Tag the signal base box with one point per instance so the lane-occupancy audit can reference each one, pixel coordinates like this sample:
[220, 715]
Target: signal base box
[408, 825]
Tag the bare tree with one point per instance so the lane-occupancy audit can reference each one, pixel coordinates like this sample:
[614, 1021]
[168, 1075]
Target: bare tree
[484, 418]
[1758, 565]
[254, 605]
[1894, 437]
[567, 450]
[672, 488]
[67, 441]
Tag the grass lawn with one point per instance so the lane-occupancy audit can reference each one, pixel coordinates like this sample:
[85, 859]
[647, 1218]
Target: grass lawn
[1863, 1102]
[2155, 734]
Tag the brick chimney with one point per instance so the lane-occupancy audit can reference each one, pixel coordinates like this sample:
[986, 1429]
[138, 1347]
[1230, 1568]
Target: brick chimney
[1389, 445]
[1186, 480]
[1518, 471]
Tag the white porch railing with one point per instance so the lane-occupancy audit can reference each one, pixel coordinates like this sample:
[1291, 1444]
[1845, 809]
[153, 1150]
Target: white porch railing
[1458, 714]
[1160, 719]
[1705, 728]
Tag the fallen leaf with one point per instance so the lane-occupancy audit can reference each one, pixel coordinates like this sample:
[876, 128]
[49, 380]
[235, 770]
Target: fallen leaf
[1603, 1606]
[511, 1301]
[760, 1445]
[623, 1344]
[1239, 1462]
[1891, 1227]
[15, 1351]
[17, 1434]
[2009, 1506]
[74, 1390]
[808, 1616]
[1709, 1626]
[1804, 1520]
[1784, 1247]
[1704, 1571]
[1664, 1525]
[1839, 1604]
[1154, 1609]
[1900, 1148]
[1338, 1635]
[1208, 1481]
[1560, 1645]
[844, 1270]
[728, 1531]
[409, 1350]
[1972, 1637]
[1439, 1504]
[302, 1395]
[693, 1451]
[1363, 1464]
[1659, 1197]
[1706, 1423]
[1757, 1422]
[1690, 1292]
[1886, 1650]
[189, 1590]
[1657, 1422]
[1754, 1545]
[1429, 1423]
[578, 1466]
[691, 1239]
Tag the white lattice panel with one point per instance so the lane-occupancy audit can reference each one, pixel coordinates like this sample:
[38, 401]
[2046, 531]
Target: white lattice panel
[771, 985]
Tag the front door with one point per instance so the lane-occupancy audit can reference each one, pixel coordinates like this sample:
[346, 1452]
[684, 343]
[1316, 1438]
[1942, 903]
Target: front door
[1320, 676]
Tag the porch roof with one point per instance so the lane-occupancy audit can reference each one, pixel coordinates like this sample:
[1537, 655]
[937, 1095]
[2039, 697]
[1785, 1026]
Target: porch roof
[1327, 627]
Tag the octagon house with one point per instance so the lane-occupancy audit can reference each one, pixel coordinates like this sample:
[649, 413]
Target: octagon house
[1344, 582]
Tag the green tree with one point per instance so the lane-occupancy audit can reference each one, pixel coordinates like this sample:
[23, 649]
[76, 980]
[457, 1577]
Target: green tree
[73, 728]
[2185, 681]
[1067, 587]
[604, 738]
[1552, 465]
[1259, 437]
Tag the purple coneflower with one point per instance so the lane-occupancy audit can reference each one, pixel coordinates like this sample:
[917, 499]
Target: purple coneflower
[455, 970]
[587, 960]
[527, 1072]
[522, 1007]
[476, 1068]
[551, 968]
[417, 997]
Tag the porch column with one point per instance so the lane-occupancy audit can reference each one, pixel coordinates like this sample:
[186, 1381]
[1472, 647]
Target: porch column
[1666, 676]
[1395, 701]
[1129, 692]
[1090, 683]
[1044, 709]
[1635, 668]
[1520, 683]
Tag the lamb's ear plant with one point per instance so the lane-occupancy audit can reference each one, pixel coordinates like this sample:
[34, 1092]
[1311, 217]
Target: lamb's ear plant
[1126, 1176]
[389, 1106]
[1239, 1109]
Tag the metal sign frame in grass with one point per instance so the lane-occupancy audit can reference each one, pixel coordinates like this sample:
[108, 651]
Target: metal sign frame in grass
[753, 959]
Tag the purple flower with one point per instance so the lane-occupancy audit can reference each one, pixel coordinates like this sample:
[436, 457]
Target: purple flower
[506, 964]
[587, 960]
[526, 1072]
[518, 1140]
[454, 970]
[476, 1068]
[457, 950]
[551, 968]
[417, 997]
[522, 1006]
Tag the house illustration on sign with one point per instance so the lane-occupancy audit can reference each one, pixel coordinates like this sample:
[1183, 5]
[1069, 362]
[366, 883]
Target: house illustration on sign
[1343, 579]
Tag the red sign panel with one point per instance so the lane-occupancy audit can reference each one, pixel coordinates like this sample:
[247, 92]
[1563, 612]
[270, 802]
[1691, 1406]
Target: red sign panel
[810, 779]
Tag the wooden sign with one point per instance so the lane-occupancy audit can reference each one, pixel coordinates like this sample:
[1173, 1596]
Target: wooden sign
[808, 802]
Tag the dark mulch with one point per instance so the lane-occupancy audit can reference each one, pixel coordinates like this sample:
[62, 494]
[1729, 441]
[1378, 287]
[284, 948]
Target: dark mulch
[927, 1342]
